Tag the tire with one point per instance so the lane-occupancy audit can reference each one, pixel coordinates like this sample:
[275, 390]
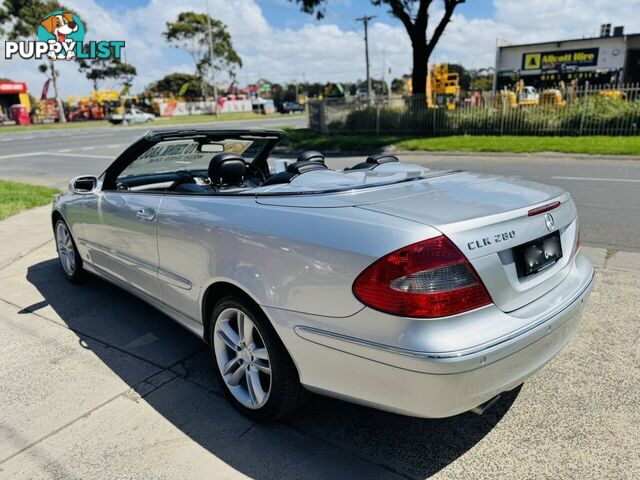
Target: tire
[68, 254]
[247, 355]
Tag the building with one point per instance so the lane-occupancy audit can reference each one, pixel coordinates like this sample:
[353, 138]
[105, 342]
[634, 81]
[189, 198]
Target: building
[609, 59]
[12, 93]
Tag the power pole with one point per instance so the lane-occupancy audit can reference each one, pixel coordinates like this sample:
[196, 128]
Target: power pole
[54, 78]
[213, 71]
[365, 20]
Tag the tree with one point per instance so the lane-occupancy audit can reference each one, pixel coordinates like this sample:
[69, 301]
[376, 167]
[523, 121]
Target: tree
[482, 78]
[190, 32]
[174, 84]
[20, 19]
[415, 21]
[465, 75]
[399, 85]
[100, 69]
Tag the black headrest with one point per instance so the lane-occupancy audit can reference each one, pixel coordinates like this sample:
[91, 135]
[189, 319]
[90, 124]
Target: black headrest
[310, 156]
[305, 166]
[306, 162]
[373, 161]
[381, 158]
[227, 169]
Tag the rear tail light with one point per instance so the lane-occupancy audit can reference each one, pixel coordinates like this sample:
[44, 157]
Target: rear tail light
[543, 209]
[576, 246]
[428, 279]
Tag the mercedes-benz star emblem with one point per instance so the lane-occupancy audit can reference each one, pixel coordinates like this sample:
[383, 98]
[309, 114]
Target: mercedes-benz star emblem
[549, 222]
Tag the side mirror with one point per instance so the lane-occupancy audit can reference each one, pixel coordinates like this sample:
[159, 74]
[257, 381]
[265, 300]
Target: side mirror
[84, 184]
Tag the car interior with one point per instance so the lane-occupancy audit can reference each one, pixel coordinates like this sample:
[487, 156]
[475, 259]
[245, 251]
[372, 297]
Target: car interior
[227, 171]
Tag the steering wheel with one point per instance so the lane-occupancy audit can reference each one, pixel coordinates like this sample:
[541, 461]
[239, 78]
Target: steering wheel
[259, 172]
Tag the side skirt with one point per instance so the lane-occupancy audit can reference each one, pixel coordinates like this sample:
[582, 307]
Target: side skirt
[187, 322]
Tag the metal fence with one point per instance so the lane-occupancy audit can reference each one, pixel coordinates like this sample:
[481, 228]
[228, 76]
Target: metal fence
[573, 111]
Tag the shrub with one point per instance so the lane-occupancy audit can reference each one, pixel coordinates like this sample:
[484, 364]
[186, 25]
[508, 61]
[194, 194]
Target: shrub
[589, 115]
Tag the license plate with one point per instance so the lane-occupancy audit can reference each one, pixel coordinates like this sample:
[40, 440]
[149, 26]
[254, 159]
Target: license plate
[538, 255]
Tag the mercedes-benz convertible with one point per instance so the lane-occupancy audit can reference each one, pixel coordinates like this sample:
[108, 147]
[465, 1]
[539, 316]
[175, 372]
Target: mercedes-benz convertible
[418, 291]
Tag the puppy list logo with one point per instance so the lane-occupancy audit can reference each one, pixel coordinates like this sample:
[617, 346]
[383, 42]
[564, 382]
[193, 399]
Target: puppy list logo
[61, 37]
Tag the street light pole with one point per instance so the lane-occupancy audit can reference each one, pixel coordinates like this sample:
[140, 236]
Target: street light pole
[213, 71]
[365, 19]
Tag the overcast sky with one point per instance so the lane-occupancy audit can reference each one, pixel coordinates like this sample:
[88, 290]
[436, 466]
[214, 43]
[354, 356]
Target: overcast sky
[278, 42]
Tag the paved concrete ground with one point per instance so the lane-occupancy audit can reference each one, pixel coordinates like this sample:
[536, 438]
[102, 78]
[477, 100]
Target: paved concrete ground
[606, 190]
[96, 384]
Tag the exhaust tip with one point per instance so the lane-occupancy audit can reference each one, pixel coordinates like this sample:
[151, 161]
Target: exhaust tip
[480, 409]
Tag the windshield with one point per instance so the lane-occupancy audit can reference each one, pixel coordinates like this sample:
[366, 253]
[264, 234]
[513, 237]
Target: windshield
[185, 155]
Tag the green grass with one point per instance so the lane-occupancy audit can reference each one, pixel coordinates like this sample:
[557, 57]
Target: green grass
[159, 121]
[596, 145]
[305, 139]
[16, 197]
[52, 126]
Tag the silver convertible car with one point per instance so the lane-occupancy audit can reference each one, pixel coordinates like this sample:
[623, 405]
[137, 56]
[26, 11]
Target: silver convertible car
[422, 292]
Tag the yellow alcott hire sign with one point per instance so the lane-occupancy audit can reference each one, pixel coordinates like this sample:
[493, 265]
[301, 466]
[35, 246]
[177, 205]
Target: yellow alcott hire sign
[532, 61]
[586, 57]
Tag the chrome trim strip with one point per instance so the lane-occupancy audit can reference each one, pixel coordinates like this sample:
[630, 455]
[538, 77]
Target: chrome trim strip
[300, 330]
[173, 279]
[153, 301]
[146, 267]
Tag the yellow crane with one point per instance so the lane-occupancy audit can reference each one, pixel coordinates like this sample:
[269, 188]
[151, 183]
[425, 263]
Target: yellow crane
[443, 88]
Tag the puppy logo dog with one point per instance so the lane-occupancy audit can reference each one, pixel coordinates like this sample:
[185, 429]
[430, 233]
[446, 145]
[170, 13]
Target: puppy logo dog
[60, 25]
[61, 36]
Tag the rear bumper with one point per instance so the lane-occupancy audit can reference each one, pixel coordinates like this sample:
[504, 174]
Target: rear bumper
[439, 382]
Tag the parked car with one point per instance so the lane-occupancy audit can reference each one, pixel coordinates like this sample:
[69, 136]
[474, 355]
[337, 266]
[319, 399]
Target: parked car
[133, 115]
[417, 291]
[290, 107]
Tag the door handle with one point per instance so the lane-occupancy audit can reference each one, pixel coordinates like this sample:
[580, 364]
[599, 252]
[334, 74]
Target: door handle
[146, 214]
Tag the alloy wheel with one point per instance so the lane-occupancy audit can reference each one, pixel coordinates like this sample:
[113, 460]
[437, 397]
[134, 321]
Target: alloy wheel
[66, 251]
[242, 358]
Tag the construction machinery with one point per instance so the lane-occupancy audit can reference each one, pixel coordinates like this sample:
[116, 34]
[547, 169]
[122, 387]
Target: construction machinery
[526, 94]
[552, 97]
[443, 87]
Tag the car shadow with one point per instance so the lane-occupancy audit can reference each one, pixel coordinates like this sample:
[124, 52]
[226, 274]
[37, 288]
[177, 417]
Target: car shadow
[100, 313]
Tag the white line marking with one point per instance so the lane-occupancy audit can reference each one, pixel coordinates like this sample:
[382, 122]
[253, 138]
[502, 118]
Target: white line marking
[599, 179]
[20, 155]
[82, 155]
[55, 154]
[91, 135]
[87, 148]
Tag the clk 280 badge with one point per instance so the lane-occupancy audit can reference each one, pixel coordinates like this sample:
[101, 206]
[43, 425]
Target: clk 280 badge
[486, 241]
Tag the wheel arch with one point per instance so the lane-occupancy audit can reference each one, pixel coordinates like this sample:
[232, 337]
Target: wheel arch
[214, 293]
[55, 216]
[222, 288]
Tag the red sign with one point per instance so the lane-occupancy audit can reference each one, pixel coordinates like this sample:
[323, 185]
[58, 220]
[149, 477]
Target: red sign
[45, 89]
[13, 87]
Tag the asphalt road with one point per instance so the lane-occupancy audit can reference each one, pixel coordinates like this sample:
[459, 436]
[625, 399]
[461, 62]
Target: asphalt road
[606, 190]
[52, 157]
